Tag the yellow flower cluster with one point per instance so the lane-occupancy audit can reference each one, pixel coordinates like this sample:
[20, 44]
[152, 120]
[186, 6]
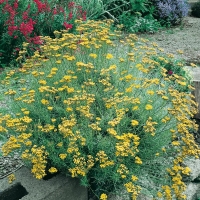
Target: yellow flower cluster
[134, 190]
[11, 178]
[127, 145]
[103, 159]
[149, 127]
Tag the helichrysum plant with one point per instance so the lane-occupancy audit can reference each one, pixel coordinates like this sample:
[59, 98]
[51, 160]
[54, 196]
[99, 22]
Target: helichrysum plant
[100, 107]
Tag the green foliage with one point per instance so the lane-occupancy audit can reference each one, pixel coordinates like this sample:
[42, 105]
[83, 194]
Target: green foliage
[136, 23]
[196, 9]
[135, 15]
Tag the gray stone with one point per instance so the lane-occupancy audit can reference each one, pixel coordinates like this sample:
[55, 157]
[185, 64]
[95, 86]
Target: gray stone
[194, 165]
[192, 190]
[125, 196]
[194, 72]
[59, 187]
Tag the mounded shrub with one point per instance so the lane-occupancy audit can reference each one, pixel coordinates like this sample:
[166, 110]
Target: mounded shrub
[102, 108]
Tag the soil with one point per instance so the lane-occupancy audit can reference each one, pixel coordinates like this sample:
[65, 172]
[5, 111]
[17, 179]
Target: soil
[185, 37]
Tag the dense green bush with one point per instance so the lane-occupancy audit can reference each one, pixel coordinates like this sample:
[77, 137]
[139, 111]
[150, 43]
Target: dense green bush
[113, 117]
[135, 15]
[196, 9]
[170, 12]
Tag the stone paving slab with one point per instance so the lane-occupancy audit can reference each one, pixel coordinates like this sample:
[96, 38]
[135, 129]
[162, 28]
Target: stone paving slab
[59, 187]
[195, 74]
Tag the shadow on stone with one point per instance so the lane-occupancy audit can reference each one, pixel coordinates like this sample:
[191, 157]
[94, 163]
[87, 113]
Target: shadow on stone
[15, 192]
[49, 176]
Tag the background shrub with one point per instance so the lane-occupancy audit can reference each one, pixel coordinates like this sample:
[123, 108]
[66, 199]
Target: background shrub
[111, 116]
[170, 11]
[135, 15]
[196, 9]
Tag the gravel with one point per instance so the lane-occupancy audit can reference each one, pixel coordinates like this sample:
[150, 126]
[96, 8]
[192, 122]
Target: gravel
[185, 38]
[9, 164]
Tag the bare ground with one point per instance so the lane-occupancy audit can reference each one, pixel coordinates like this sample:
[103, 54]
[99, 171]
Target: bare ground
[185, 37]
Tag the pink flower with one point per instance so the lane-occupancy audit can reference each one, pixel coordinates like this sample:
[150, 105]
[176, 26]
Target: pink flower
[42, 6]
[71, 5]
[11, 29]
[15, 6]
[25, 15]
[26, 28]
[36, 40]
[54, 11]
[170, 72]
[67, 26]
[70, 16]
[84, 16]
[61, 9]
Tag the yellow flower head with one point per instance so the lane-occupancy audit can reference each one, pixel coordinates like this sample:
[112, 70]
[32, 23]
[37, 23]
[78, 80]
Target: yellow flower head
[50, 108]
[193, 65]
[42, 82]
[44, 101]
[53, 170]
[93, 55]
[150, 92]
[11, 178]
[103, 197]
[148, 107]
[134, 178]
[109, 56]
[135, 108]
[134, 122]
[63, 156]
[138, 160]
[26, 112]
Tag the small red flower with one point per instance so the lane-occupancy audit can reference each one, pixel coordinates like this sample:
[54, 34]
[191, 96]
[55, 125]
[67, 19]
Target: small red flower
[36, 40]
[67, 26]
[71, 5]
[54, 11]
[42, 7]
[25, 15]
[11, 29]
[170, 72]
[70, 16]
[61, 9]
[26, 28]
[15, 6]
[84, 16]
